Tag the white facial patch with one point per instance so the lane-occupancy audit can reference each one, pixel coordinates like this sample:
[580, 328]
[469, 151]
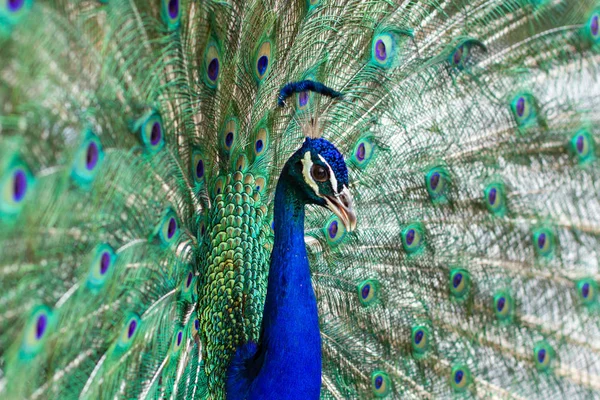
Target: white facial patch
[332, 178]
[306, 167]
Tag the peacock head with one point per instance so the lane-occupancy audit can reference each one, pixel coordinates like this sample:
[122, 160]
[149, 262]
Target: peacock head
[321, 177]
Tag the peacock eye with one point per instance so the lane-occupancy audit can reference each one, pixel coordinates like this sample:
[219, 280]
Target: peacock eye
[319, 173]
[542, 355]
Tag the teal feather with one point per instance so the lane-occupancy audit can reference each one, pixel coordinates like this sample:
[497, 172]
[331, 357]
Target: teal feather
[136, 233]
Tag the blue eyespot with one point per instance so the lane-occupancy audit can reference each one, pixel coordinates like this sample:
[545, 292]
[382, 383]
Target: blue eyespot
[420, 339]
[151, 131]
[334, 230]
[460, 378]
[19, 185]
[229, 134]
[102, 261]
[380, 49]
[212, 64]
[543, 242]
[503, 305]
[592, 28]
[524, 110]
[16, 184]
[460, 283]
[11, 12]
[583, 146]
[198, 167]
[380, 383]
[587, 290]
[177, 341]
[263, 60]
[171, 13]
[261, 142]
[262, 65]
[412, 238]
[367, 291]
[495, 198]
[363, 152]
[194, 327]
[543, 354]
[87, 160]
[386, 45]
[169, 228]
[436, 182]
[37, 330]
[13, 6]
[129, 332]
[187, 286]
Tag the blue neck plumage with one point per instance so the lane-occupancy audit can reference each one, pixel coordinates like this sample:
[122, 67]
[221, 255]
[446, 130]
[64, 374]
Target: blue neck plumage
[290, 319]
[287, 365]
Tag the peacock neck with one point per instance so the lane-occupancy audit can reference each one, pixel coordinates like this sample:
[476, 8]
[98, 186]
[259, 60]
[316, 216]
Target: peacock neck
[291, 338]
[289, 228]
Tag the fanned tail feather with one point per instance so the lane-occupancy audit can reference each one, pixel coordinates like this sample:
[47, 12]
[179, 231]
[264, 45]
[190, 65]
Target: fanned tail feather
[141, 144]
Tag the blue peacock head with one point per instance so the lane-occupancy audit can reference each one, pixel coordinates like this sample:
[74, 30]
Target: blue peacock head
[320, 174]
[318, 169]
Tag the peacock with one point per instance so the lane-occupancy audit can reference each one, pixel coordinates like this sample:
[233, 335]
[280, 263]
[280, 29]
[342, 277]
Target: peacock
[299, 199]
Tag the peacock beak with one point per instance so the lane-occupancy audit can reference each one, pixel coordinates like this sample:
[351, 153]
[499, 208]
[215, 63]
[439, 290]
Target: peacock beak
[341, 205]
